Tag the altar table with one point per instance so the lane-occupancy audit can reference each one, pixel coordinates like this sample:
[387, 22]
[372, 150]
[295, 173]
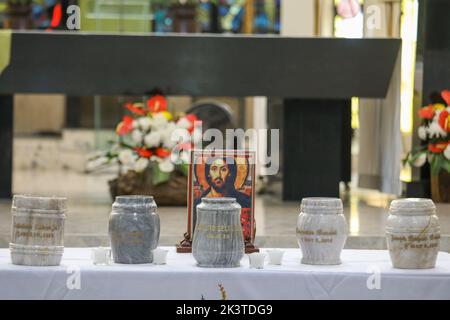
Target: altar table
[363, 274]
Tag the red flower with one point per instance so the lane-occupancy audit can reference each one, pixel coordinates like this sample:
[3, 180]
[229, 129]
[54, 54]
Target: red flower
[191, 117]
[144, 153]
[125, 126]
[426, 112]
[438, 147]
[444, 120]
[135, 108]
[195, 122]
[157, 104]
[162, 153]
[446, 96]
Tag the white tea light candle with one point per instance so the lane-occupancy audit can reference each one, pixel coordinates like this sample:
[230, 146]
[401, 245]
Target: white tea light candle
[275, 256]
[257, 260]
[101, 256]
[160, 256]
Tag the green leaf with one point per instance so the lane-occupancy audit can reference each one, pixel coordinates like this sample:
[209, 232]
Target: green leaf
[406, 159]
[431, 158]
[413, 157]
[437, 164]
[446, 165]
[158, 176]
[183, 168]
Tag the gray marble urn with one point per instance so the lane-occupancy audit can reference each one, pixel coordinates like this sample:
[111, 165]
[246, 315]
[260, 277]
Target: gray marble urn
[134, 229]
[218, 240]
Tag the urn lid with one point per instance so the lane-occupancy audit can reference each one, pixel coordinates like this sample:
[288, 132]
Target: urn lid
[217, 203]
[39, 203]
[219, 200]
[322, 205]
[134, 203]
[412, 206]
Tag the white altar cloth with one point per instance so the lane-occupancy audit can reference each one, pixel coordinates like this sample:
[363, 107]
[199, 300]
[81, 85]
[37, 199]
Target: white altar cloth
[363, 274]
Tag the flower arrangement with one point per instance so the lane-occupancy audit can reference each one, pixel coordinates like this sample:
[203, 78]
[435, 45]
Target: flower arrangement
[147, 144]
[434, 131]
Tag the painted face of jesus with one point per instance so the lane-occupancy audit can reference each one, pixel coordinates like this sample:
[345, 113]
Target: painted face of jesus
[219, 172]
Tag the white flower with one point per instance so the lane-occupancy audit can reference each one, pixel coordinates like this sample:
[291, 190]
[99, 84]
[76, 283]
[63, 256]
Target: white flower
[153, 139]
[420, 160]
[159, 121]
[435, 130]
[135, 124]
[167, 140]
[145, 123]
[184, 123]
[115, 148]
[98, 162]
[166, 165]
[126, 156]
[124, 169]
[137, 136]
[422, 132]
[436, 115]
[447, 152]
[180, 157]
[175, 156]
[141, 164]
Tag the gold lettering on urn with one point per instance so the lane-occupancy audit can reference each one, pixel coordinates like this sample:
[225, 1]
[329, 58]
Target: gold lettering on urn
[218, 228]
[132, 237]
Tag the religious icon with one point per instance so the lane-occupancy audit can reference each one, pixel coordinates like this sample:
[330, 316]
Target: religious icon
[223, 173]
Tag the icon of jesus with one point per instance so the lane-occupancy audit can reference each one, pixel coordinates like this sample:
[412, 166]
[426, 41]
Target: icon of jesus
[221, 173]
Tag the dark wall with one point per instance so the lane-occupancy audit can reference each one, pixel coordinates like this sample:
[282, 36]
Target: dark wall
[435, 46]
[80, 111]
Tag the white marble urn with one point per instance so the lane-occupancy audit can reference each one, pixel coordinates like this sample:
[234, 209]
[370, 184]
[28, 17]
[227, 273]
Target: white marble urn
[37, 233]
[321, 231]
[413, 233]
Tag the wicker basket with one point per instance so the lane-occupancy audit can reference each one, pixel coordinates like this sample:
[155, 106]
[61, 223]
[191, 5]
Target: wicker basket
[440, 187]
[170, 193]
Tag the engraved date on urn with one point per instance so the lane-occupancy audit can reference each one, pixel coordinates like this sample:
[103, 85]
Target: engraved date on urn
[414, 241]
[133, 237]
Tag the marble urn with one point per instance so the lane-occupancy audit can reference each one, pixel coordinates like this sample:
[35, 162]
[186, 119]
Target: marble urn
[413, 233]
[37, 233]
[218, 240]
[134, 229]
[321, 231]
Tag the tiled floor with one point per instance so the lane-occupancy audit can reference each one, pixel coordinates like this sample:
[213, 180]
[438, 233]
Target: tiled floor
[89, 208]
